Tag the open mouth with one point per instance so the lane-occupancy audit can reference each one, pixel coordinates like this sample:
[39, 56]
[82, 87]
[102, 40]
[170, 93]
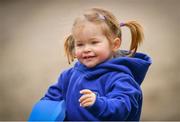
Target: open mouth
[89, 57]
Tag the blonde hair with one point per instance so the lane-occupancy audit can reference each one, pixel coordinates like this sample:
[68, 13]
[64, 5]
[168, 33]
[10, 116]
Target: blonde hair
[110, 27]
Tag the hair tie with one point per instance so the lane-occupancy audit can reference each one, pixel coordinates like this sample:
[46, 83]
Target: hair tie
[122, 24]
[101, 16]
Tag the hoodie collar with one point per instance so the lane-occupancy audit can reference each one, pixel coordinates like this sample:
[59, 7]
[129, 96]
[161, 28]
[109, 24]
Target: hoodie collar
[136, 66]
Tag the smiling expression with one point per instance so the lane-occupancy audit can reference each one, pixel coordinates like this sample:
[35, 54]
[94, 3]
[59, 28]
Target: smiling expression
[91, 46]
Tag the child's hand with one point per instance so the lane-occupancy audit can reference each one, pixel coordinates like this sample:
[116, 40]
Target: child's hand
[88, 98]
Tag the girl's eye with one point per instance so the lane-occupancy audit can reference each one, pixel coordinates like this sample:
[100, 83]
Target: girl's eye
[79, 45]
[95, 42]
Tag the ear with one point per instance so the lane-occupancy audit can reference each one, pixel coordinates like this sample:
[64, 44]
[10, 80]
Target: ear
[116, 44]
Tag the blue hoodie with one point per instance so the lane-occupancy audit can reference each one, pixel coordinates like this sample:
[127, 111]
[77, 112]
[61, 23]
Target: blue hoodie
[115, 82]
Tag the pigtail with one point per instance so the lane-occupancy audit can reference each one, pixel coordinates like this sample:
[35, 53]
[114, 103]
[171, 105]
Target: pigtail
[69, 48]
[137, 35]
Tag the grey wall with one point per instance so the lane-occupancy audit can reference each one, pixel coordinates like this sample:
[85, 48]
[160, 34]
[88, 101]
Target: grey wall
[31, 50]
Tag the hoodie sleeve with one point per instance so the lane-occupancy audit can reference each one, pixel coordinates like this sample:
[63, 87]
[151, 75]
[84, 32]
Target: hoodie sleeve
[121, 101]
[56, 91]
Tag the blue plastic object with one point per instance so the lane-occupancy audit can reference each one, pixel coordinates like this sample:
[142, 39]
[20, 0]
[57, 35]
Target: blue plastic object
[48, 110]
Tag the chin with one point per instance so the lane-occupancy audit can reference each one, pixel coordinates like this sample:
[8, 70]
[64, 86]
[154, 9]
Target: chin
[90, 66]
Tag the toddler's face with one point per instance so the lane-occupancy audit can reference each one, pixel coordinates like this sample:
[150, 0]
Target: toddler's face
[91, 45]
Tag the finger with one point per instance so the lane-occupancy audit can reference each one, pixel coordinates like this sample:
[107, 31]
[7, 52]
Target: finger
[83, 97]
[85, 91]
[87, 100]
[86, 104]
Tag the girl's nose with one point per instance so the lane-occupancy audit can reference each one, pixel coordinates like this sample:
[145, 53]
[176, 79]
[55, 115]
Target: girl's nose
[87, 48]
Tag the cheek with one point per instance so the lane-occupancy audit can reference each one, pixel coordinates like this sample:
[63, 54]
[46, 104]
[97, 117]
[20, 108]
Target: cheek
[77, 53]
[104, 55]
[105, 52]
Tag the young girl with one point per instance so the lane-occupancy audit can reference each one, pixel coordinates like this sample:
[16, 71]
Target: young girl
[104, 83]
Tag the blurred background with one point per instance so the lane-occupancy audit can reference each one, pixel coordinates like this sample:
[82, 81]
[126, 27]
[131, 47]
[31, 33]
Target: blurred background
[32, 34]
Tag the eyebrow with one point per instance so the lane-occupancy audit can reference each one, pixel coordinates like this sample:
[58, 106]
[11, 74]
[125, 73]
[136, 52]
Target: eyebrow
[91, 39]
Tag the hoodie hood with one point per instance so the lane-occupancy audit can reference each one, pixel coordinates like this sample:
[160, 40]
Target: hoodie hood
[135, 66]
